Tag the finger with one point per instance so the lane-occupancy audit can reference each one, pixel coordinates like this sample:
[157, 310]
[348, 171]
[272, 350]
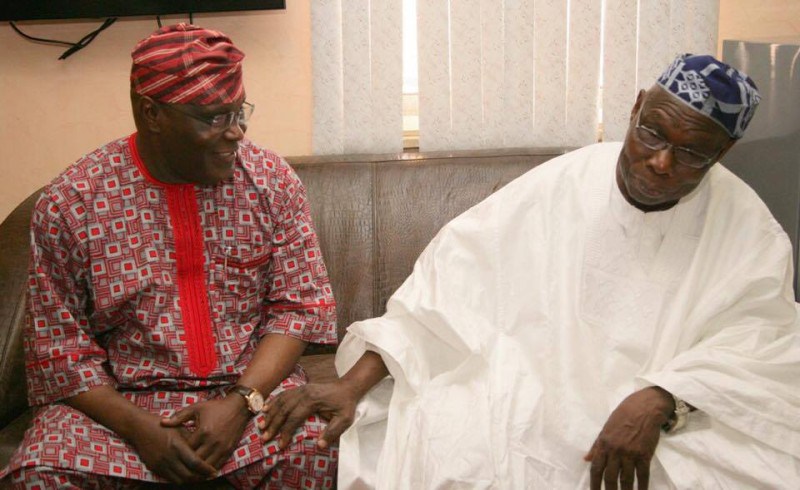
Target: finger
[195, 439]
[334, 430]
[176, 472]
[268, 412]
[193, 462]
[205, 451]
[273, 415]
[611, 473]
[167, 474]
[296, 419]
[272, 426]
[214, 452]
[190, 437]
[182, 474]
[590, 455]
[284, 408]
[178, 418]
[218, 457]
[643, 474]
[597, 469]
[626, 474]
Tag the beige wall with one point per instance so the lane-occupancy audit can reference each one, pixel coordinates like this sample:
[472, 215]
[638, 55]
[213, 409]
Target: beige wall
[52, 112]
[759, 20]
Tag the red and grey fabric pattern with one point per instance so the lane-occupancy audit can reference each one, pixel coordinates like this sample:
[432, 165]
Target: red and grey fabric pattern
[186, 64]
[69, 450]
[111, 259]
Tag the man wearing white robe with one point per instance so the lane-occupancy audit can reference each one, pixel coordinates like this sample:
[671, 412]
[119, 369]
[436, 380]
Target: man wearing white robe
[546, 335]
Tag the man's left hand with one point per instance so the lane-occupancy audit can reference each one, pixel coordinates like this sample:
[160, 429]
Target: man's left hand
[218, 427]
[628, 440]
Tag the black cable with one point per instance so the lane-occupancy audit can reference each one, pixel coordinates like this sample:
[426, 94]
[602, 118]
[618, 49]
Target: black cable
[73, 47]
[191, 20]
[85, 40]
[39, 39]
[158, 19]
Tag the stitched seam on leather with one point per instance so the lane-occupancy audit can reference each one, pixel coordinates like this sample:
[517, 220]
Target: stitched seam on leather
[376, 283]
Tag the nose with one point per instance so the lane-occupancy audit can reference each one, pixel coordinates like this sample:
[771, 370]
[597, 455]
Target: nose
[661, 161]
[235, 131]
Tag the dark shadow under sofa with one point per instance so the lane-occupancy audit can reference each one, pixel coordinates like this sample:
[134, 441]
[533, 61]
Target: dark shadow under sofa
[374, 215]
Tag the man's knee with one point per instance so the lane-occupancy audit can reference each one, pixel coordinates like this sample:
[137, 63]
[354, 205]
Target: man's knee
[45, 477]
[308, 466]
[301, 465]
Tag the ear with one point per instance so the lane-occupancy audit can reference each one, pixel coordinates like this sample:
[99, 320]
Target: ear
[149, 114]
[638, 104]
[725, 148]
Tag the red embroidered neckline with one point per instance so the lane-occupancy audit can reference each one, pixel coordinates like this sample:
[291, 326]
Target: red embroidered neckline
[184, 215]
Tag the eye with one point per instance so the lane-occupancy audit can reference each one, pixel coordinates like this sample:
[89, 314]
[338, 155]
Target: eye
[691, 158]
[649, 136]
[218, 120]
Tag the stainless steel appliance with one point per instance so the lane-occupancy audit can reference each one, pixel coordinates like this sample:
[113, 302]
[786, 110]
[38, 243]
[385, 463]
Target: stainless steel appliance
[768, 157]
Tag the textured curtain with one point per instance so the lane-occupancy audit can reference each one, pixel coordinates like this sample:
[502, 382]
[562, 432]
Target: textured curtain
[495, 73]
[357, 76]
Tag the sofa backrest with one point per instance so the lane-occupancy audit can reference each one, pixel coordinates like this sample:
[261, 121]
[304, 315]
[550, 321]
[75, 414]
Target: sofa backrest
[374, 215]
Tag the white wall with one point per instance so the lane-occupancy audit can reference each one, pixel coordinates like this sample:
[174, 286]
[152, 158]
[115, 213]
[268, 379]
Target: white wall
[52, 112]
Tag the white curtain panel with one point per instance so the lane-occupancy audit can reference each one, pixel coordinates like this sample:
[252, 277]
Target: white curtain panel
[357, 76]
[641, 39]
[514, 73]
[495, 73]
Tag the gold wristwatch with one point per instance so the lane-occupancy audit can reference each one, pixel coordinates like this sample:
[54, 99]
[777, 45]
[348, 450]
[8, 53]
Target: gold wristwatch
[253, 397]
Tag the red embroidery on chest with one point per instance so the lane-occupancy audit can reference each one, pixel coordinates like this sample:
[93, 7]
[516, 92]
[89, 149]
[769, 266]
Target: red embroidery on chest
[192, 288]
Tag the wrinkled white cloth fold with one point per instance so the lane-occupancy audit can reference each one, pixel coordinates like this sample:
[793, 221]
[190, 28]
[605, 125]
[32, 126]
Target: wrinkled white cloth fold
[531, 316]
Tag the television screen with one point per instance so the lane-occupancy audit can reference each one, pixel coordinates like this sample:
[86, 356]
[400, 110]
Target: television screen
[88, 9]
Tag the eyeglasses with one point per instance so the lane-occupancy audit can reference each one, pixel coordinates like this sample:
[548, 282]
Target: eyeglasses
[684, 156]
[220, 122]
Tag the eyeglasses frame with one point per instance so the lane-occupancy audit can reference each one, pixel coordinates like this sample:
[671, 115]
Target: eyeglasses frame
[708, 160]
[238, 117]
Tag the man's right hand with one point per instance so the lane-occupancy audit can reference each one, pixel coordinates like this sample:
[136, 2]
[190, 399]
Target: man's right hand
[166, 452]
[336, 402]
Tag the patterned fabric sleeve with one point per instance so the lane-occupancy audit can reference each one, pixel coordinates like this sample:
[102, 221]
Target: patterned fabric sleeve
[62, 358]
[300, 300]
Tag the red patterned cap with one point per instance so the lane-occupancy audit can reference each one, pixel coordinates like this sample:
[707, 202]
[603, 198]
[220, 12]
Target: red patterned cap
[186, 64]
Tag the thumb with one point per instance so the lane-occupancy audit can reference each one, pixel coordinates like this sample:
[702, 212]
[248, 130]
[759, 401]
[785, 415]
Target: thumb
[178, 418]
[590, 455]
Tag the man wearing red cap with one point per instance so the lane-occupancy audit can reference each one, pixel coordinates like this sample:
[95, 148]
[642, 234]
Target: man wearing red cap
[175, 280]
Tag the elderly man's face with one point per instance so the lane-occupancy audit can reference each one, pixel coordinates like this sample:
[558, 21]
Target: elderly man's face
[654, 180]
[193, 151]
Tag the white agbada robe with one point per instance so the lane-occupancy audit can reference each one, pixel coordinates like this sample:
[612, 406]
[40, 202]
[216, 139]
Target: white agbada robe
[530, 317]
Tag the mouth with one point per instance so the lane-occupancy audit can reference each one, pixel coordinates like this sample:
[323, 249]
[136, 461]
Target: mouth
[229, 157]
[647, 189]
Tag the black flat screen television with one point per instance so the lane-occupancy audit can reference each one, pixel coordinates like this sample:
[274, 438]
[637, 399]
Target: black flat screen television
[90, 9]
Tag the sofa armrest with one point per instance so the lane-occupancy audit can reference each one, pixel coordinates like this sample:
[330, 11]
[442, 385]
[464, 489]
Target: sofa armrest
[14, 253]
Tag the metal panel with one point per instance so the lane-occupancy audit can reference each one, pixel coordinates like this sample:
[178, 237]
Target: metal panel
[768, 157]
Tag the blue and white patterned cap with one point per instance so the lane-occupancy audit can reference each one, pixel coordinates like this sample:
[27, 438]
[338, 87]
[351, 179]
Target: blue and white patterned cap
[712, 88]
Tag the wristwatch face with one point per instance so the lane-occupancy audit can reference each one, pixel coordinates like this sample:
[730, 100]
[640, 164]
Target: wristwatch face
[255, 402]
